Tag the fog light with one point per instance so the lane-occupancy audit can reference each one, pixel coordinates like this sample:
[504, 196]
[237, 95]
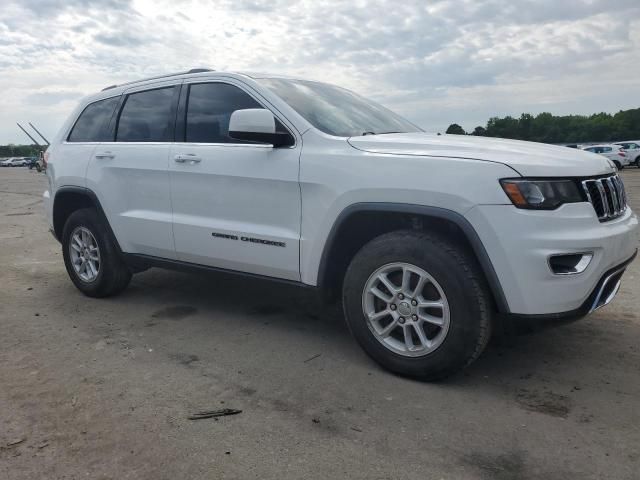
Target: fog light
[570, 264]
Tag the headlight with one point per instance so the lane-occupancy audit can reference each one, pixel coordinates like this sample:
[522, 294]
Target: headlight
[541, 194]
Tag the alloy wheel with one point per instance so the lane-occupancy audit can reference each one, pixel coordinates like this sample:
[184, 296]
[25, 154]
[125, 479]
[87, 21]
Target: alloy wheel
[85, 254]
[406, 309]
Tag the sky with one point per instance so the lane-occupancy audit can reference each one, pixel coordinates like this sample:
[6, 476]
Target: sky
[434, 62]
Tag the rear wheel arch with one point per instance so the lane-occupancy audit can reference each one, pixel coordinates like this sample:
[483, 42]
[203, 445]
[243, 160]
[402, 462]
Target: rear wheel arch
[70, 199]
[359, 223]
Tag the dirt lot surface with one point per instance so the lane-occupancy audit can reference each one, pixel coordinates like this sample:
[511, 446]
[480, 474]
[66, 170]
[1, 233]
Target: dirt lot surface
[102, 389]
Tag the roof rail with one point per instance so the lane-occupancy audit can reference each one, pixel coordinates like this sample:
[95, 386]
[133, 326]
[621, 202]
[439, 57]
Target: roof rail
[193, 70]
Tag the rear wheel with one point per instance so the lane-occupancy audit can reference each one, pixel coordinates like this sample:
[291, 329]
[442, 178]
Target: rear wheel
[90, 256]
[618, 164]
[417, 304]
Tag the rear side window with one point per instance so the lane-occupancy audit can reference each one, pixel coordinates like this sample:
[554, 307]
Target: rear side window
[93, 123]
[209, 108]
[146, 117]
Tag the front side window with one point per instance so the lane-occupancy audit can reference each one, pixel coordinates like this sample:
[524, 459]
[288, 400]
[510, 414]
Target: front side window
[93, 123]
[146, 117]
[209, 108]
[336, 111]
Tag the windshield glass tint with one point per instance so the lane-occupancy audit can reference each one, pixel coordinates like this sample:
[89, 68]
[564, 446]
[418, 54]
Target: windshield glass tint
[337, 111]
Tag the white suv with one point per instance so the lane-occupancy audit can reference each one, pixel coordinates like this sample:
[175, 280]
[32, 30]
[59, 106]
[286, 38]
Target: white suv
[427, 239]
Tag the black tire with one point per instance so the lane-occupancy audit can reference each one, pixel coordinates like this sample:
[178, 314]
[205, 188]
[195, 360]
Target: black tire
[462, 281]
[113, 275]
[618, 164]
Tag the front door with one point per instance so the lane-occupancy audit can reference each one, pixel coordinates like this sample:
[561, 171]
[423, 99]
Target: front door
[235, 205]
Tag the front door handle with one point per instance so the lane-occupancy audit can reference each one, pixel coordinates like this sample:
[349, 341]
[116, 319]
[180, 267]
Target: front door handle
[187, 157]
[105, 155]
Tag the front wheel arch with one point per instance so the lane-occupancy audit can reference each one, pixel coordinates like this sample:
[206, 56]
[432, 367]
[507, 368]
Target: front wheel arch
[361, 222]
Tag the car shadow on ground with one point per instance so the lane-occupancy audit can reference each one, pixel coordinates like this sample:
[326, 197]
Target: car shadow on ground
[251, 304]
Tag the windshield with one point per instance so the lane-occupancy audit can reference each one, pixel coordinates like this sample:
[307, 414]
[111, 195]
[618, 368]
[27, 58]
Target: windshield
[337, 111]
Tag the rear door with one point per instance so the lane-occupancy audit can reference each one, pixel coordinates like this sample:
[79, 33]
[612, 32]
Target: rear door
[236, 205]
[130, 174]
[76, 151]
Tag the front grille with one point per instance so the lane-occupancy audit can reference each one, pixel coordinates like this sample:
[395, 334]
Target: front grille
[607, 196]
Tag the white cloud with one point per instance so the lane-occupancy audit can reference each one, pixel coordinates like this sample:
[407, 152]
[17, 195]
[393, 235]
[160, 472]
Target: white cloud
[436, 62]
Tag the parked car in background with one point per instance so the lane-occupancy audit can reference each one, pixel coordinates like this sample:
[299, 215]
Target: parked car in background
[31, 162]
[615, 153]
[15, 162]
[632, 149]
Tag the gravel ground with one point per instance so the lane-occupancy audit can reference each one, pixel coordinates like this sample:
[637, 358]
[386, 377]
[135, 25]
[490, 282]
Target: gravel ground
[102, 389]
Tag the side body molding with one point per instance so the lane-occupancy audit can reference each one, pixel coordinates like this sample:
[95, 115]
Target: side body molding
[424, 211]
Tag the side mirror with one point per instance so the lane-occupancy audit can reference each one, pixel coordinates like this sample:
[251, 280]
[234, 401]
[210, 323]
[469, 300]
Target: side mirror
[257, 125]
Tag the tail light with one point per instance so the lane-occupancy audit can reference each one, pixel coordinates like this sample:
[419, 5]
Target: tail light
[622, 154]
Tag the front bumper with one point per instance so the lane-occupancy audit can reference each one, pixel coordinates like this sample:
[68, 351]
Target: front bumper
[602, 295]
[520, 242]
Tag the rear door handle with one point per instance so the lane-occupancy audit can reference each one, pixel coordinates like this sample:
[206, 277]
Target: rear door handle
[187, 157]
[105, 155]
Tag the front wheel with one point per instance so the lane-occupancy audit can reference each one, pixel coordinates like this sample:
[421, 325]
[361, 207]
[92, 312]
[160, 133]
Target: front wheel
[417, 304]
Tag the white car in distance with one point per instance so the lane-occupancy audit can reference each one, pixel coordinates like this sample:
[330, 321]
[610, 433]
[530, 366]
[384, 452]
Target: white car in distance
[632, 149]
[613, 152]
[14, 162]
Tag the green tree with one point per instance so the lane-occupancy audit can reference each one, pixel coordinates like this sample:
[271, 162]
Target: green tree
[12, 150]
[545, 127]
[455, 129]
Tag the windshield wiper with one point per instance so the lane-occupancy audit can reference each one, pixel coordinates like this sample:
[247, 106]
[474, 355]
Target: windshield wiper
[377, 133]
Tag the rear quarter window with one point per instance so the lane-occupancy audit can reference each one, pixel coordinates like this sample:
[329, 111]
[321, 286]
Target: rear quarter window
[93, 123]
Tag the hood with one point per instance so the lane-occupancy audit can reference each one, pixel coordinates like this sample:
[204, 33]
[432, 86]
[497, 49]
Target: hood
[527, 158]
